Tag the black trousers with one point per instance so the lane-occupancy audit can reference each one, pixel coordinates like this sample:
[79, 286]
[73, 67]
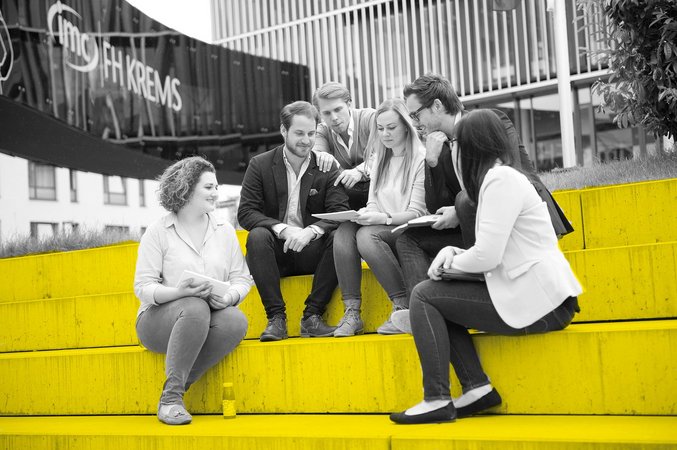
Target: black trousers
[268, 263]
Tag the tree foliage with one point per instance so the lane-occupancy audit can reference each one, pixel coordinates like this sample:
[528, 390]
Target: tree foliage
[640, 44]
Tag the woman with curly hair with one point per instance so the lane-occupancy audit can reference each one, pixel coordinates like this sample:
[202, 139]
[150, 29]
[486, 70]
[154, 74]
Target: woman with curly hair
[194, 327]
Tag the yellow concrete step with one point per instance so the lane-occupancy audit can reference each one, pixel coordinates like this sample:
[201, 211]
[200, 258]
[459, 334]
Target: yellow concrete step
[66, 274]
[627, 214]
[606, 368]
[624, 283]
[339, 432]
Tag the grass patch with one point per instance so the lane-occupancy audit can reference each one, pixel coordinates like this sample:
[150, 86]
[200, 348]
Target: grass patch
[658, 167]
[61, 242]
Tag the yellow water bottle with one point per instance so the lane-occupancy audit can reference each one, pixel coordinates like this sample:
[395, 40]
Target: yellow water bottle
[228, 401]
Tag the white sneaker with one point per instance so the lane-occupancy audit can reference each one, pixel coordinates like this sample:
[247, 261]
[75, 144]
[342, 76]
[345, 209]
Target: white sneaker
[400, 319]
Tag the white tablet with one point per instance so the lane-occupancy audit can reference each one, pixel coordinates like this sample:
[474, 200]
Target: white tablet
[218, 287]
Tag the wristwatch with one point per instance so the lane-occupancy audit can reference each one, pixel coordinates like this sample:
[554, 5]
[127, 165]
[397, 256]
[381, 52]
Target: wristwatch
[389, 219]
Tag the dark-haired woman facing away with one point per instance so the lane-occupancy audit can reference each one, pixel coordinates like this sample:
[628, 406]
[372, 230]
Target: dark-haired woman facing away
[529, 287]
[193, 326]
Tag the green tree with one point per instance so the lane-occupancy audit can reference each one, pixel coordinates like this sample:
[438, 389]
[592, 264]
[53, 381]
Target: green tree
[641, 51]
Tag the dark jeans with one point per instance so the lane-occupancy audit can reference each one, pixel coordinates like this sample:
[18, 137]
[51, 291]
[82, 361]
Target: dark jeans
[417, 247]
[358, 195]
[267, 263]
[441, 313]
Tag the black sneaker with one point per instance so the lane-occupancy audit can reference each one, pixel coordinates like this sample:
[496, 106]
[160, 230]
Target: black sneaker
[276, 329]
[314, 326]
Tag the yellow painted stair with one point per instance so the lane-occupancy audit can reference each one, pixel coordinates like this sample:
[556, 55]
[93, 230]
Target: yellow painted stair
[622, 283]
[606, 382]
[604, 368]
[340, 432]
[627, 214]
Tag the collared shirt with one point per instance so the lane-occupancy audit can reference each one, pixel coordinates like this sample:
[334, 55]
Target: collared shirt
[353, 156]
[166, 251]
[294, 215]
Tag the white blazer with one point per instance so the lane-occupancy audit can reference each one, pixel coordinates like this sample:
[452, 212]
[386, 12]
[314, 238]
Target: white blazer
[516, 249]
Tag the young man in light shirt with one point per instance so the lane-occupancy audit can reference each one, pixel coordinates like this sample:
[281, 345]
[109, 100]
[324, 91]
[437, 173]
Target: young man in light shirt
[344, 133]
[281, 190]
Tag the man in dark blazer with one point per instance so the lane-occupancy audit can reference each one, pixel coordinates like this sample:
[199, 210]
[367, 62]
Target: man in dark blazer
[435, 108]
[281, 190]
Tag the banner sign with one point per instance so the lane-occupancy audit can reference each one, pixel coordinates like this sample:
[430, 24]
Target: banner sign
[104, 67]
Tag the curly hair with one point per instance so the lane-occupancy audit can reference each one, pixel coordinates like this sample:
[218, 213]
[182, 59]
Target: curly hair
[177, 182]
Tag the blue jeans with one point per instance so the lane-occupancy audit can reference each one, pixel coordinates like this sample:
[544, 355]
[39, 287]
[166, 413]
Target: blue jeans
[267, 263]
[194, 338]
[417, 247]
[441, 313]
[376, 244]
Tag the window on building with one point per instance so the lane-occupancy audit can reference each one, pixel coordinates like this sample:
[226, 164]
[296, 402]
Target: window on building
[143, 230]
[73, 177]
[41, 181]
[114, 190]
[120, 229]
[142, 193]
[70, 227]
[43, 229]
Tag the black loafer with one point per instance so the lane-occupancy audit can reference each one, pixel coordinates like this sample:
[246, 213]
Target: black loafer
[440, 415]
[485, 402]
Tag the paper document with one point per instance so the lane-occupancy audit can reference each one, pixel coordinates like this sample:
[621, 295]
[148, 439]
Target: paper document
[340, 216]
[218, 287]
[423, 221]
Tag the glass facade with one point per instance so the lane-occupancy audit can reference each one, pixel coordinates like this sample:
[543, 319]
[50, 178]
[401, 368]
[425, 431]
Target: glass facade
[502, 59]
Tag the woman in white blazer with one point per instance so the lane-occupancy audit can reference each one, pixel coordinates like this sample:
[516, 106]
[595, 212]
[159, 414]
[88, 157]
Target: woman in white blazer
[529, 286]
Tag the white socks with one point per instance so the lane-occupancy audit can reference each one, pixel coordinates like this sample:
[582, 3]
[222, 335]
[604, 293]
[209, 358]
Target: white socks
[472, 396]
[426, 406]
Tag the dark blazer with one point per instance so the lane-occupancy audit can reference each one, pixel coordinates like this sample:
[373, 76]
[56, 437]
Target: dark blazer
[442, 185]
[263, 200]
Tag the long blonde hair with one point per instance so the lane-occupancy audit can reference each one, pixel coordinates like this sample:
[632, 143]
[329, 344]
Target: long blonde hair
[384, 154]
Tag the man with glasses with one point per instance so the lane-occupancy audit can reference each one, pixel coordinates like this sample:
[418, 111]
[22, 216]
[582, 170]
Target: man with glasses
[435, 110]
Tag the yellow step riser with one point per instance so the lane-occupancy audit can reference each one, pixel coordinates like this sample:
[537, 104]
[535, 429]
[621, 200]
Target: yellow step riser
[627, 214]
[622, 283]
[614, 368]
[85, 272]
[637, 213]
[338, 432]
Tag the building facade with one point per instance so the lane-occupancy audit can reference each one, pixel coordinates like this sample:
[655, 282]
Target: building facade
[41, 200]
[506, 59]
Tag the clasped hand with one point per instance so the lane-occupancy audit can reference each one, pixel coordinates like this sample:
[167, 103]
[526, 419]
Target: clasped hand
[296, 239]
[442, 261]
[433, 146]
[203, 290]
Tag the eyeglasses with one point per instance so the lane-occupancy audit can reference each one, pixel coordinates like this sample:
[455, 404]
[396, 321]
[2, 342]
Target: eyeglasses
[415, 115]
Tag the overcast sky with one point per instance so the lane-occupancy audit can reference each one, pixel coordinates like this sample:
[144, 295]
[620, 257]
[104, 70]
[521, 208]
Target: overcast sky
[190, 17]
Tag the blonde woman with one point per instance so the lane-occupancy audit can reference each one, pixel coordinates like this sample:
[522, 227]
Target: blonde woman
[183, 319]
[396, 195]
